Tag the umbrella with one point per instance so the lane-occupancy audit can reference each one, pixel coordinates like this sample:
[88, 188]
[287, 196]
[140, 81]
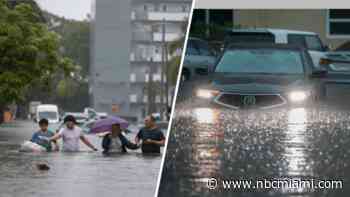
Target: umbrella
[105, 125]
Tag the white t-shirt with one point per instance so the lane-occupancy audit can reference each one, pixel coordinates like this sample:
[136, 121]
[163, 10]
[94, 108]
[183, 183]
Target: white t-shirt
[116, 145]
[71, 138]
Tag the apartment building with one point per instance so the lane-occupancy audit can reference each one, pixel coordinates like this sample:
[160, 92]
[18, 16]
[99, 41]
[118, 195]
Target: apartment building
[128, 53]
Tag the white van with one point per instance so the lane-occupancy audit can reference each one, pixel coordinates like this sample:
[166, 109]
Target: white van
[50, 112]
[308, 40]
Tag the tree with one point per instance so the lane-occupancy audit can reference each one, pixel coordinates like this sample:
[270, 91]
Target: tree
[173, 65]
[29, 52]
[75, 40]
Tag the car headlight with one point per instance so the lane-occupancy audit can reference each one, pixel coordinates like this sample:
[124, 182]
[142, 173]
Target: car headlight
[298, 96]
[207, 94]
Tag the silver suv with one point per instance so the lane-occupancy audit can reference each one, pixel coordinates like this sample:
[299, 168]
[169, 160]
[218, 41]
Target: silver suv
[198, 58]
[308, 40]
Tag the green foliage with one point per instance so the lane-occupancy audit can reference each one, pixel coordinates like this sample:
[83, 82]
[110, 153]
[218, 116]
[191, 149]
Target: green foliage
[66, 88]
[173, 70]
[173, 65]
[75, 39]
[29, 52]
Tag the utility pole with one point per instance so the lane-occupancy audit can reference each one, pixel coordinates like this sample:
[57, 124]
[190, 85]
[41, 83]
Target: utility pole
[162, 70]
[151, 90]
[207, 23]
[166, 81]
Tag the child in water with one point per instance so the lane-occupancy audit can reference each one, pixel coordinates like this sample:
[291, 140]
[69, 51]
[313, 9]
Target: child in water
[42, 136]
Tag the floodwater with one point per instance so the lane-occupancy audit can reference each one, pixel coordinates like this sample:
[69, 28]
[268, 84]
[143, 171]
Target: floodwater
[86, 173]
[282, 144]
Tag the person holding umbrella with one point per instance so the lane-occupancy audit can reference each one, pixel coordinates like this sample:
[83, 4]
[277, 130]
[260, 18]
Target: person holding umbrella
[114, 141]
[71, 134]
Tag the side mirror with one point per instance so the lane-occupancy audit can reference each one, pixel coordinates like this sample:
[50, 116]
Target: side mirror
[319, 73]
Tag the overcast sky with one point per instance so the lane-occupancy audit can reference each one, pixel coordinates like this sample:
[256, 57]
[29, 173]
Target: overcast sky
[71, 9]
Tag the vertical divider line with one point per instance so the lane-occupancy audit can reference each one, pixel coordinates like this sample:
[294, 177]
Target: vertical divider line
[175, 98]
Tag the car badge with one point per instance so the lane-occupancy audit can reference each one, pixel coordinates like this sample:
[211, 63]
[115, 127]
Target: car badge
[249, 100]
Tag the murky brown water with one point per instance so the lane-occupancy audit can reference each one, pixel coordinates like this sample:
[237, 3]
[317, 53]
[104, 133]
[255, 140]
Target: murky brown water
[86, 173]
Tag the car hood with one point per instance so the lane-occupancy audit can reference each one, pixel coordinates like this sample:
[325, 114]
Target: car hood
[257, 83]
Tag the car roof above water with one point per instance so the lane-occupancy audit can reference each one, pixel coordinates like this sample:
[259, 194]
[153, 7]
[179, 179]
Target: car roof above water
[47, 106]
[265, 45]
[271, 30]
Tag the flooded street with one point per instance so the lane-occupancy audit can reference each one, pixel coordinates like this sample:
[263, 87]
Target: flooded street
[86, 173]
[279, 144]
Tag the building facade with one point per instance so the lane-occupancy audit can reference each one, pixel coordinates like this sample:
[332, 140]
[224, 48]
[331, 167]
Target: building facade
[129, 53]
[331, 25]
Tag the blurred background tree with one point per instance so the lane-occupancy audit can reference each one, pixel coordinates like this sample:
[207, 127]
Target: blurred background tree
[29, 52]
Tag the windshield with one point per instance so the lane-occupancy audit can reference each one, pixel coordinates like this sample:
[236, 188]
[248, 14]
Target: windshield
[249, 37]
[261, 61]
[47, 115]
[311, 42]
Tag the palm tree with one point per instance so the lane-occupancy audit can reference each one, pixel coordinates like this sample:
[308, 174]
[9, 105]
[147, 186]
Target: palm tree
[174, 64]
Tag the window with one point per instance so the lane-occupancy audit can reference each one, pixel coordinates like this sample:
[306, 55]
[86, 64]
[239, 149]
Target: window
[203, 48]
[311, 42]
[133, 98]
[262, 61]
[145, 7]
[156, 77]
[248, 37]
[156, 50]
[184, 8]
[132, 77]
[338, 22]
[158, 99]
[145, 98]
[221, 16]
[165, 8]
[191, 49]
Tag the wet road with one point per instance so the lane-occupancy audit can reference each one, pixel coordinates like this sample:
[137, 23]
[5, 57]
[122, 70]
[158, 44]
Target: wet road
[86, 173]
[283, 144]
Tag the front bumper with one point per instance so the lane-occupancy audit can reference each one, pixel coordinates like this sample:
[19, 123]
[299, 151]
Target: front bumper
[283, 102]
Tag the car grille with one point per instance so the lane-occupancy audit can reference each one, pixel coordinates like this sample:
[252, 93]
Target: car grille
[250, 100]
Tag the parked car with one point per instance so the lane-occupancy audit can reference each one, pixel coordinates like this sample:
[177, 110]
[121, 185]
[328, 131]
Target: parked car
[265, 76]
[48, 111]
[339, 57]
[308, 40]
[92, 113]
[79, 117]
[87, 125]
[87, 114]
[198, 57]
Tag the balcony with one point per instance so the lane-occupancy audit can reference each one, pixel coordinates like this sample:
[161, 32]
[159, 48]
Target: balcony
[140, 58]
[142, 36]
[169, 37]
[159, 16]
